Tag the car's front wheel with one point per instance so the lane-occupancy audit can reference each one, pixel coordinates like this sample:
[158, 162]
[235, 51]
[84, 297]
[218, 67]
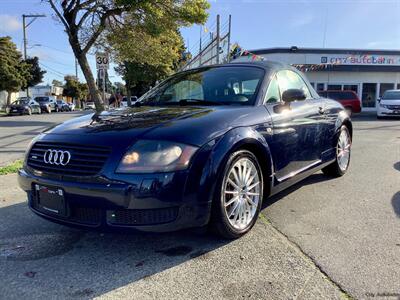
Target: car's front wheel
[343, 150]
[239, 195]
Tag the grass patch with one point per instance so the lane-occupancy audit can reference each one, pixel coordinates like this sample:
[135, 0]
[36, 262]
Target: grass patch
[11, 168]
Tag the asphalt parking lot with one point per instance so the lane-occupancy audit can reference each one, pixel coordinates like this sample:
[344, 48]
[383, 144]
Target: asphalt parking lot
[323, 239]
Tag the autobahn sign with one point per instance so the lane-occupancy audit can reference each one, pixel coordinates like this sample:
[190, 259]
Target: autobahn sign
[102, 61]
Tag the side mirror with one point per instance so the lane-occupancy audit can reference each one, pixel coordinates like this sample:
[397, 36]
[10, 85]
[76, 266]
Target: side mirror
[379, 100]
[293, 95]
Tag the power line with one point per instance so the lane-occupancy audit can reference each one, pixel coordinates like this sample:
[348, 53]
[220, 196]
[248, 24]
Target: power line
[51, 69]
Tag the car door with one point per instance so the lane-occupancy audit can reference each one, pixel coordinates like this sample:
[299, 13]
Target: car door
[295, 143]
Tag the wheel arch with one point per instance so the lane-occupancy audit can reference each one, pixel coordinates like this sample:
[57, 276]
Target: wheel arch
[243, 138]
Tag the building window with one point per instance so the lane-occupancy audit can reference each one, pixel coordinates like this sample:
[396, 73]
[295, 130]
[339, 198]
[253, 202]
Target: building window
[369, 94]
[384, 87]
[320, 87]
[312, 84]
[351, 87]
[398, 86]
[334, 87]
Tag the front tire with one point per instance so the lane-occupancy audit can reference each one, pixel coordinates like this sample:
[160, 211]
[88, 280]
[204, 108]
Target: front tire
[238, 197]
[343, 150]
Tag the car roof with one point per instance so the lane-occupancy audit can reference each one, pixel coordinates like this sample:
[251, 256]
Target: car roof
[268, 65]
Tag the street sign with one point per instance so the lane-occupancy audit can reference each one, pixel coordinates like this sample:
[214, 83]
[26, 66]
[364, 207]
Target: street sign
[102, 61]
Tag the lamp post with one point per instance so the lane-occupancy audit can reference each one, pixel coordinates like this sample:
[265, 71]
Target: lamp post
[24, 26]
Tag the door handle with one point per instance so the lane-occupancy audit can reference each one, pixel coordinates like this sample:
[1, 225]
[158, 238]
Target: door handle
[321, 110]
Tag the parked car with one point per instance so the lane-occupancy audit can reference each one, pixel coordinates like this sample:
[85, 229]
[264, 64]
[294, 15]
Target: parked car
[124, 102]
[389, 104]
[62, 105]
[90, 105]
[47, 103]
[348, 99]
[71, 106]
[205, 147]
[24, 106]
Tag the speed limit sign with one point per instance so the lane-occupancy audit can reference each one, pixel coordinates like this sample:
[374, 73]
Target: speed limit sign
[102, 61]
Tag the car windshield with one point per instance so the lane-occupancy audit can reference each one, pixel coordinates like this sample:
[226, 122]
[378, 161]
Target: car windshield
[20, 102]
[42, 99]
[391, 95]
[209, 86]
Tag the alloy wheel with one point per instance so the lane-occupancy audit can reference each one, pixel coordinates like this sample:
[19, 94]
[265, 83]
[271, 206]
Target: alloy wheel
[241, 193]
[343, 149]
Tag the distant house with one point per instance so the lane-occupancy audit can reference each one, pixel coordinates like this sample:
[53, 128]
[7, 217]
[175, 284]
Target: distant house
[45, 90]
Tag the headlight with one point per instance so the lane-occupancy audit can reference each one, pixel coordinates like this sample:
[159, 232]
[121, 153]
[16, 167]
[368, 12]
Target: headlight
[147, 156]
[382, 105]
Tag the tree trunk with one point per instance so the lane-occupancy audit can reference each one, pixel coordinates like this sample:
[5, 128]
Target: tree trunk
[87, 72]
[9, 97]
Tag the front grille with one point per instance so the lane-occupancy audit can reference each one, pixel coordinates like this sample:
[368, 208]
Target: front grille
[393, 106]
[86, 160]
[86, 215]
[143, 216]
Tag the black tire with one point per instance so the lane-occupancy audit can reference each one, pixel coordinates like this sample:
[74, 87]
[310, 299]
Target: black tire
[219, 222]
[379, 117]
[334, 169]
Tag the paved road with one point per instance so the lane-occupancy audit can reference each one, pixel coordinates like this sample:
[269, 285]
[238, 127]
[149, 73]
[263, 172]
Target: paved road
[321, 237]
[17, 131]
[350, 226]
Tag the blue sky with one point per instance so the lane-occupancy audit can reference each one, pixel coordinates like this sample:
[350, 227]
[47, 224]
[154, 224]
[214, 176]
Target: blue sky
[366, 24]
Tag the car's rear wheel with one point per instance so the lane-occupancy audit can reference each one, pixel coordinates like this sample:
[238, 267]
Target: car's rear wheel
[238, 196]
[343, 150]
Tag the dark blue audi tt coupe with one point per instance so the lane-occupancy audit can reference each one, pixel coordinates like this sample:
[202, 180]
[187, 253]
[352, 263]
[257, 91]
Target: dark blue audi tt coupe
[204, 147]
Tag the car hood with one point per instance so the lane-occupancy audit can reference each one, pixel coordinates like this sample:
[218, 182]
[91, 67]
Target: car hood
[187, 124]
[390, 102]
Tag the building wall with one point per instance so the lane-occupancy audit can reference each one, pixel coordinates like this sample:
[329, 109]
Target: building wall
[3, 98]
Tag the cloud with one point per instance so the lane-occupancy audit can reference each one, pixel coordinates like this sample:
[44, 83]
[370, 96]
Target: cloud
[9, 23]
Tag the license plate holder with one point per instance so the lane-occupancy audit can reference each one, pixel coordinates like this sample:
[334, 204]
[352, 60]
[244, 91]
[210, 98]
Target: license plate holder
[51, 200]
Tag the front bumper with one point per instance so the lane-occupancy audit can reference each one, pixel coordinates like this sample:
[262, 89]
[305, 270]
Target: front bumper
[385, 112]
[153, 202]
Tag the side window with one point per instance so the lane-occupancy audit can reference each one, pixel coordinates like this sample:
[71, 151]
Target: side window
[290, 80]
[273, 94]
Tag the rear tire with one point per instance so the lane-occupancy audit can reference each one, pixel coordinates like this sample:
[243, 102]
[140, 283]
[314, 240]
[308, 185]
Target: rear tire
[238, 196]
[343, 150]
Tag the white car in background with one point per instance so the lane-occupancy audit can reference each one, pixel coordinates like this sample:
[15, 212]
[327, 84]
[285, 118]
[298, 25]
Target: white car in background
[389, 104]
[71, 106]
[124, 102]
[90, 105]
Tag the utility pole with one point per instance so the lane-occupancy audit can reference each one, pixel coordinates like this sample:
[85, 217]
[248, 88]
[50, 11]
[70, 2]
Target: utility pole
[76, 69]
[24, 27]
[229, 38]
[218, 37]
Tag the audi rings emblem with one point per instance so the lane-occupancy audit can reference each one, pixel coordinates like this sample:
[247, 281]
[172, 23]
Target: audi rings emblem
[57, 157]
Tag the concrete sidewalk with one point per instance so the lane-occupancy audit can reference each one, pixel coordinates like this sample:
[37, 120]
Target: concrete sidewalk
[38, 259]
